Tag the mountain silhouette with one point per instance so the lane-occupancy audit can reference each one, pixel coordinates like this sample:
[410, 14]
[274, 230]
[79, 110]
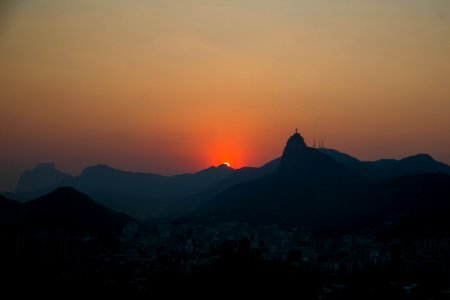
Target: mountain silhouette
[338, 156]
[194, 201]
[141, 195]
[63, 209]
[373, 171]
[68, 209]
[5, 203]
[11, 212]
[41, 179]
[310, 188]
[309, 164]
[144, 195]
[306, 183]
[388, 168]
[298, 162]
[416, 164]
[406, 207]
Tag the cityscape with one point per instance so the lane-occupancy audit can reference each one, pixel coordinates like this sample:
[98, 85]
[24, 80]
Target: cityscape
[212, 149]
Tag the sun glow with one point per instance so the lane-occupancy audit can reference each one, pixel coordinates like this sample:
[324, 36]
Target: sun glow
[227, 164]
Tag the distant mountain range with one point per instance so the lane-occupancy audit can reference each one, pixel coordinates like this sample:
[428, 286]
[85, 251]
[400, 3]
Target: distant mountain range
[388, 168]
[301, 172]
[141, 195]
[40, 180]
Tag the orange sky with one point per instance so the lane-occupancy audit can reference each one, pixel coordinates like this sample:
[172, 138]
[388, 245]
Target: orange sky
[175, 86]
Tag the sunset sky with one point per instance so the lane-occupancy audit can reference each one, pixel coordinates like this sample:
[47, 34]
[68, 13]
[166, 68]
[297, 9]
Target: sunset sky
[176, 86]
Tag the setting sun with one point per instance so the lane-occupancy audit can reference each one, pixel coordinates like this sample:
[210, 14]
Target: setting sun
[201, 143]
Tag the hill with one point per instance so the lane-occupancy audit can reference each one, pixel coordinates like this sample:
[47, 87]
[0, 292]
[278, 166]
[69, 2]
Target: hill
[312, 189]
[63, 209]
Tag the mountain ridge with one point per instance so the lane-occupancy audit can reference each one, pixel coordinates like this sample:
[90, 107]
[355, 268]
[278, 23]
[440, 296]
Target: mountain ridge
[145, 195]
[296, 196]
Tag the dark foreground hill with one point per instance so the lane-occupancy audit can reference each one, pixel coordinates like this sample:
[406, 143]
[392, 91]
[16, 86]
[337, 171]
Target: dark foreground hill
[68, 209]
[63, 209]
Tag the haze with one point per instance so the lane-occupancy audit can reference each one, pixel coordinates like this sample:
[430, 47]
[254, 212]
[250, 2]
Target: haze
[177, 86]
